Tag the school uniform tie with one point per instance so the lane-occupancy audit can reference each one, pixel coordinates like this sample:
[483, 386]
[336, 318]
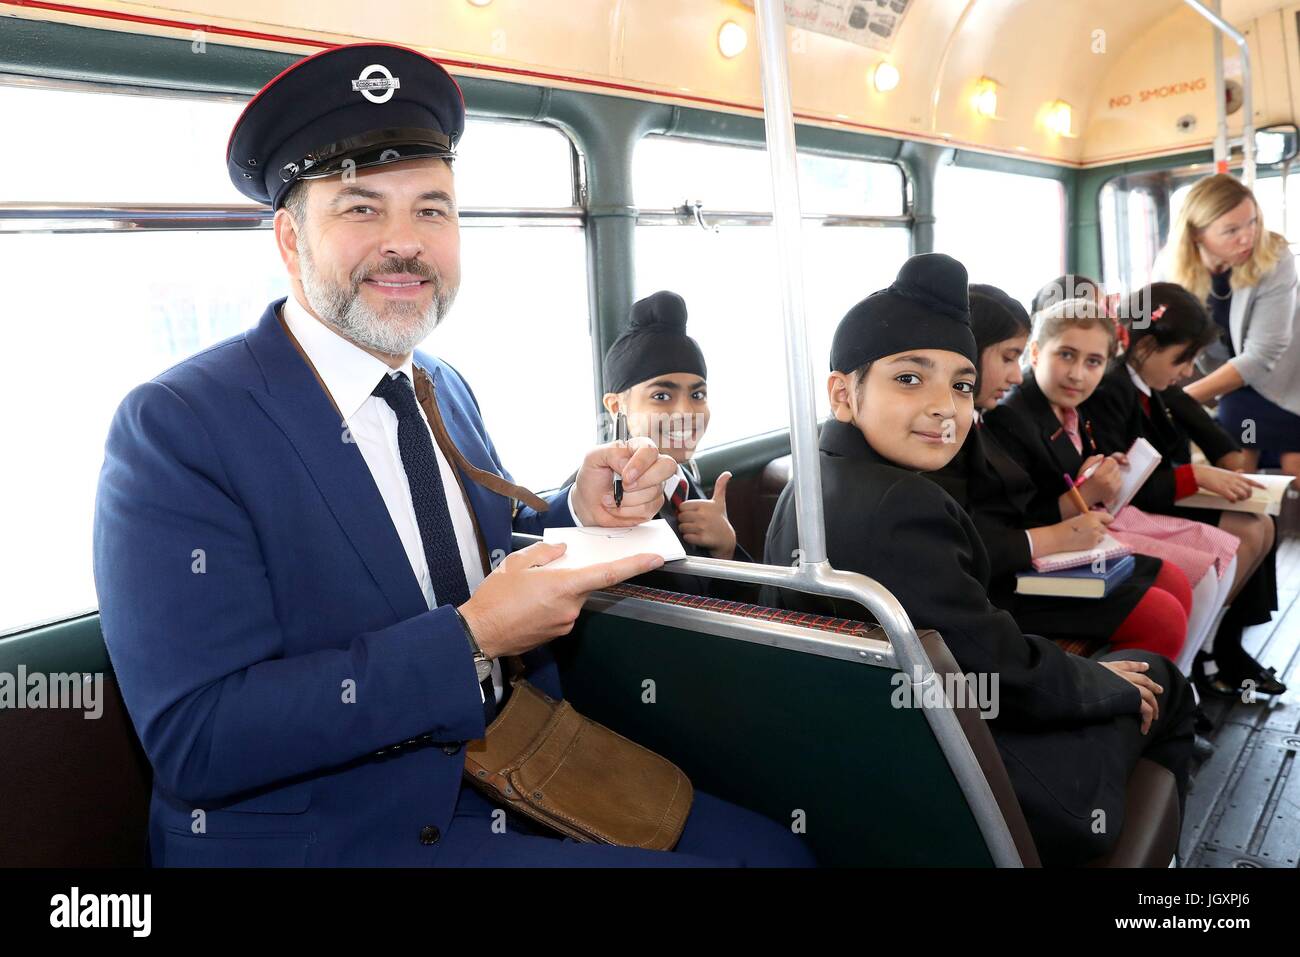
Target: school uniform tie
[1070, 422]
[429, 498]
[678, 496]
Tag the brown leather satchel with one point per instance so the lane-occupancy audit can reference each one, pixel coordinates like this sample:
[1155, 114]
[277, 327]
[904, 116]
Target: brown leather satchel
[548, 762]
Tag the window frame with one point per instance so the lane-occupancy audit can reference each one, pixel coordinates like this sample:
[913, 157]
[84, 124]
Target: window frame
[997, 166]
[59, 217]
[38, 218]
[701, 215]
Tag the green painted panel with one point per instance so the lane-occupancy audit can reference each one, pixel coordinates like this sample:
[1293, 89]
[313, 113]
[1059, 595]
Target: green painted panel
[68, 646]
[779, 731]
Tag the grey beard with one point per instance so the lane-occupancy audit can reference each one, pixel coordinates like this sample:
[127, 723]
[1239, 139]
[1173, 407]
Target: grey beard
[398, 330]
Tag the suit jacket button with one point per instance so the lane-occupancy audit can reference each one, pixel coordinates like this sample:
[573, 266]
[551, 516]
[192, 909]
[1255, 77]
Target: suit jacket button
[429, 834]
[451, 748]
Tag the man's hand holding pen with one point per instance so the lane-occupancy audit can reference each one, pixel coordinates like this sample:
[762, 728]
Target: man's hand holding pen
[642, 470]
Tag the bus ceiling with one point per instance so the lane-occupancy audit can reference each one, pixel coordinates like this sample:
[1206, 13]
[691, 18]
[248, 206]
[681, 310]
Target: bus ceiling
[1073, 84]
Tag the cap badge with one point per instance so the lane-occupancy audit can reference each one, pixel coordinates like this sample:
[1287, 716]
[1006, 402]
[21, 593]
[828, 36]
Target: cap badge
[368, 82]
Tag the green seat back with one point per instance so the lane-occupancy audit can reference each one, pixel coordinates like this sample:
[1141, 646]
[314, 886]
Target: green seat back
[779, 731]
[75, 790]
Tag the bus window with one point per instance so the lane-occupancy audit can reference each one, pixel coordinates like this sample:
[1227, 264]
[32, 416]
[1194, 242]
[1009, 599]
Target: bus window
[1278, 200]
[100, 299]
[855, 238]
[1130, 237]
[1007, 229]
[522, 314]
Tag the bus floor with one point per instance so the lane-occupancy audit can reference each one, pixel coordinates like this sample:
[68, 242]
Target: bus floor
[1243, 809]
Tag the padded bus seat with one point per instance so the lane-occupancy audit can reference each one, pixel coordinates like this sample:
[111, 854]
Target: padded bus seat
[75, 790]
[772, 482]
[1149, 837]
[760, 725]
[770, 728]
[800, 737]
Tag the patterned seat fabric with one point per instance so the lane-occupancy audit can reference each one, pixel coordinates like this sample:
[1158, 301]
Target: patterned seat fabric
[843, 626]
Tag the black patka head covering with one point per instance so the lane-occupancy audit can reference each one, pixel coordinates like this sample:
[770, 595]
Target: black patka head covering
[364, 104]
[926, 307]
[656, 344]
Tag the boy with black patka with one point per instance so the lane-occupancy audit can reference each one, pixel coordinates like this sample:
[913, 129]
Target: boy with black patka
[1070, 729]
[656, 376]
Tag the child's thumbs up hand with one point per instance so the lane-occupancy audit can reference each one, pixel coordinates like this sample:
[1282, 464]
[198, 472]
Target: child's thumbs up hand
[703, 522]
[720, 490]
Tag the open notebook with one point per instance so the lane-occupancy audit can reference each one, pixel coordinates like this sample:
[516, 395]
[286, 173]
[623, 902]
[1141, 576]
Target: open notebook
[1109, 550]
[1263, 501]
[1142, 461]
[593, 545]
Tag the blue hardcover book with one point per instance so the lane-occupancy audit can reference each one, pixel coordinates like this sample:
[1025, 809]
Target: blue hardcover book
[1081, 582]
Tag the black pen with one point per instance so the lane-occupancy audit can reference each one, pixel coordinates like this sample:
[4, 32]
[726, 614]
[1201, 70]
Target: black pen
[620, 434]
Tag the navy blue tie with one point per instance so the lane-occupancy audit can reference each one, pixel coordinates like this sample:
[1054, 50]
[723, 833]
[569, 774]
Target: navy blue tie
[441, 553]
[429, 497]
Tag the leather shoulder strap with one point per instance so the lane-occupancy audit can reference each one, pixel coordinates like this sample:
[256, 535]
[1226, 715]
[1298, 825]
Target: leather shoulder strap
[424, 394]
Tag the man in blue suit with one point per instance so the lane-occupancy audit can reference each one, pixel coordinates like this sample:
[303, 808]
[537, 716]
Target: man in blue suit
[293, 556]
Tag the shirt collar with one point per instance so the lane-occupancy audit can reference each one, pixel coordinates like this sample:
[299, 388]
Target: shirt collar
[348, 371]
[1138, 380]
[677, 478]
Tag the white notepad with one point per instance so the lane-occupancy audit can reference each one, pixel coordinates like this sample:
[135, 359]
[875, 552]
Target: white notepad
[1262, 501]
[1142, 461]
[594, 545]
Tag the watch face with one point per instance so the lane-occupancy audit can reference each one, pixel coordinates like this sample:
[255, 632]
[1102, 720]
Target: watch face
[483, 666]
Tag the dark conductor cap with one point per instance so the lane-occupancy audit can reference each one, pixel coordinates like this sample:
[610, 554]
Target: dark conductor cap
[926, 307]
[358, 106]
[656, 344]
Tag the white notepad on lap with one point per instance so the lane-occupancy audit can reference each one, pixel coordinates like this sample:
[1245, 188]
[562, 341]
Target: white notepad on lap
[1142, 461]
[594, 545]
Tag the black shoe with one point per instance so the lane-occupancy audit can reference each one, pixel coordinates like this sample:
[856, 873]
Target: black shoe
[1249, 674]
[1211, 684]
[1202, 748]
[1201, 723]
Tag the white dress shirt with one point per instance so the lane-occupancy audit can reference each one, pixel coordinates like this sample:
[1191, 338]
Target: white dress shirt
[1138, 381]
[350, 374]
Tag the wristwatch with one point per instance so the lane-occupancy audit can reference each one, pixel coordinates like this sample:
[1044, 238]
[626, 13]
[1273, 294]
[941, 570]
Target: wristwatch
[482, 663]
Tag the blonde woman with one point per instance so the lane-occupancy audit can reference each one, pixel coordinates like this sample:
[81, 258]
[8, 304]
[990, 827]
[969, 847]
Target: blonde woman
[1220, 251]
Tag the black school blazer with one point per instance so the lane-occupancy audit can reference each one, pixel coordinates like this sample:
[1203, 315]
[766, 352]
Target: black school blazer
[1118, 419]
[1031, 434]
[908, 534]
[1000, 498]
[1060, 715]
[1002, 501]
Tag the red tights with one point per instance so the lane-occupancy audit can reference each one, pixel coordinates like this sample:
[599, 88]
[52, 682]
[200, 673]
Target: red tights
[1159, 622]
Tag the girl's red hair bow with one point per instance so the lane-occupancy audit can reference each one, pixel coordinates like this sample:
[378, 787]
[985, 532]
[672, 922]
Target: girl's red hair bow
[1121, 334]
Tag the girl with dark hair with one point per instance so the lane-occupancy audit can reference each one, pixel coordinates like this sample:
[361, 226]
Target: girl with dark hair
[1163, 329]
[1148, 610]
[1046, 426]
[1063, 288]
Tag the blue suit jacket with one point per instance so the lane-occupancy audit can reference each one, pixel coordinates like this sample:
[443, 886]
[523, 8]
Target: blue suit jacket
[265, 626]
